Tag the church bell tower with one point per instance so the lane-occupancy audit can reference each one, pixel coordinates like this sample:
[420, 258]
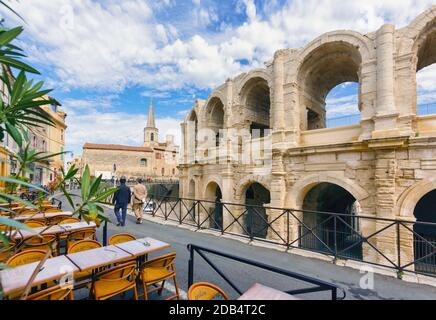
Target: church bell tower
[151, 137]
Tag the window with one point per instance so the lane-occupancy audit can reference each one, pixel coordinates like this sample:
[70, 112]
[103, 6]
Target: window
[163, 171]
[158, 156]
[152, 137]
[62, 134]
[62, 155]
[143, 162]
[174, 171]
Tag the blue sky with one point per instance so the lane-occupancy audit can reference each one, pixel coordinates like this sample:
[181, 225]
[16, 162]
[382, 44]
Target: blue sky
[104, 59]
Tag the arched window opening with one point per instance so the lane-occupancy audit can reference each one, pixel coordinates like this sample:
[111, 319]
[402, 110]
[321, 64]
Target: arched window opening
[342, 107]
[330, 86]
[426, 72]
[424, 238]
[214, 206]
[152, 137]
[256, 219]
[256, 97]
[143, 162]
[215, 115]
[329, 235]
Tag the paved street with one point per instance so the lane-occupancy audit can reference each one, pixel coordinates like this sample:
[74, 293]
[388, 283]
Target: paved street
[244, 276]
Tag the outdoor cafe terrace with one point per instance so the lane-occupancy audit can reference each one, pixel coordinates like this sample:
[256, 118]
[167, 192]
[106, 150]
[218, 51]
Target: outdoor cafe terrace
[62, 257]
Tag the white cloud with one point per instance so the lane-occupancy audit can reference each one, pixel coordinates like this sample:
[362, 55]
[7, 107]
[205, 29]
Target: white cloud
[116, 44]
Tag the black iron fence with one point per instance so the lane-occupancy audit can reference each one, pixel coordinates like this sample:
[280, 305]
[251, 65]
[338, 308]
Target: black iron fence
[395, 244]
[316, 285]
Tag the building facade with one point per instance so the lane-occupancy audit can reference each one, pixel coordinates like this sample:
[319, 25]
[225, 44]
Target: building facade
[45, 138]
[152, 160]
[261, 138]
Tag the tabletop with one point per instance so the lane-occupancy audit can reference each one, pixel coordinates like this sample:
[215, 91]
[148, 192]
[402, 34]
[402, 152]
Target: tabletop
[142, 246]
[15, 279]
[56, 229]
[261, 292]
[42, 215]
[95, 258]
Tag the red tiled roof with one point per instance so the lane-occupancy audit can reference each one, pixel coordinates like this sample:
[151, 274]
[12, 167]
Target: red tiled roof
[115, 147]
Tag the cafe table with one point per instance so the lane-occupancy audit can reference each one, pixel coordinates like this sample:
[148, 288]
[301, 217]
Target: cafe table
[15, 279]
[100, 257]
[141, 247]
[42, 215]
[261, 292]
[55, 229]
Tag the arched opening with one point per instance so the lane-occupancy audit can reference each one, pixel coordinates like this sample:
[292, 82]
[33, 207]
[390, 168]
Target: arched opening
[191, 189]
[256, 219]
[328, 66]
[331, 233]
[256, 98]
[426, 71]
[425, 235]
[215, 210]
[215, 116]
[342, 105]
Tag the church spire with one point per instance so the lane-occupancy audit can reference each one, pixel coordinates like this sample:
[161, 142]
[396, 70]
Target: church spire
[150, 120]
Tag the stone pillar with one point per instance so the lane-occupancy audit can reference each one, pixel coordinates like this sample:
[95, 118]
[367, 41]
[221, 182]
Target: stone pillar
[386, 113]
[278, 195]
[292, 115]
[227, 193]
[384, 180]
[278, 112]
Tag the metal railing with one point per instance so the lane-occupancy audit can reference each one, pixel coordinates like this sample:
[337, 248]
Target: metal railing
[343, 121]
[390, 243]
[319, 285]
[425, 109]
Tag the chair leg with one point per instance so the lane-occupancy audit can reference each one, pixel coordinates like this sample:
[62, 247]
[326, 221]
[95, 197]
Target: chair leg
[135, 293]
[176, 286]
[144, 286]
[161, 288]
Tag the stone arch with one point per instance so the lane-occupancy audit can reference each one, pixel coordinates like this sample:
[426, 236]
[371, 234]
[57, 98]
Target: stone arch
[324, 65]
[253, 74]
[214, 96]
[408, 199]
[254, 94]
[192, 188]
[245, 182]
[297, 193]
[213, 179]
[411, 33]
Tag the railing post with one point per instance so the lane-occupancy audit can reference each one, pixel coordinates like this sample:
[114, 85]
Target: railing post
[197, 213]
[180, 207]
[191, 266]
[399, 251]
[105, 233]
[165, 206]
[335, 229]
[287, 229]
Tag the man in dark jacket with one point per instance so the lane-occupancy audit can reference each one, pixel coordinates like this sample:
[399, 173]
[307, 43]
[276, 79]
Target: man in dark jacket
[121, 199]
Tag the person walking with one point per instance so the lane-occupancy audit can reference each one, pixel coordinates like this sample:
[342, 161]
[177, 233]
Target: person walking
[138, 200]
[121, 200]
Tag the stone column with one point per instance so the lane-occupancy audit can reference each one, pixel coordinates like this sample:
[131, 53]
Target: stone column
[278, 194]
[292, 115]
[384, 180]
[227, 193]
[278, 112]
[386, 113]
